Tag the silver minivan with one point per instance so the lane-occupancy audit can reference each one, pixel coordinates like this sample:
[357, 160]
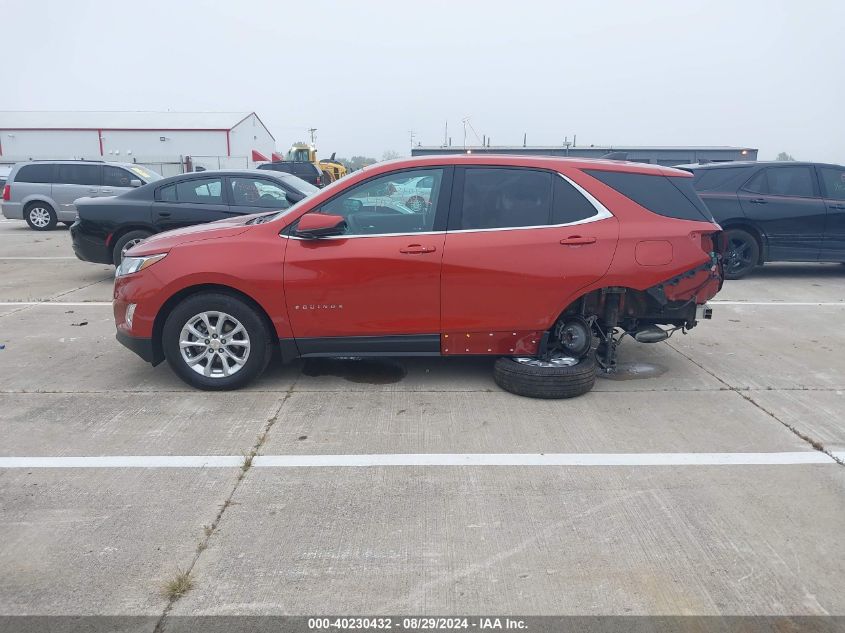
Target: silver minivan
[43, 192]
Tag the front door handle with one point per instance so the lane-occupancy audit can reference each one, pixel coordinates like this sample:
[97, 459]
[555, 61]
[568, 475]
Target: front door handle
[758, 200]
[414, 249]
[577, 240]
[93, 190]
[837, 206]
[164, 214]
[106, 190]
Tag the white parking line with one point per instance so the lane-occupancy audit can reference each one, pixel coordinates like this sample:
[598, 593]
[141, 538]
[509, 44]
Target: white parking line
[3, 257]
[60, 304]
[424, 459]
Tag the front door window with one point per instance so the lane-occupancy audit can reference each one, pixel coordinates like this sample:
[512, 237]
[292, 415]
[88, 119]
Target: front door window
[403, 202]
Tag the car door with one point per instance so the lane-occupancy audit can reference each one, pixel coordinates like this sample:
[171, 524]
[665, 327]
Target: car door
[190, 201]
[116, 180]
[784, 203]
[376, 288]
[833, 190]
[249, 194]
[74, 181]
[520, 241]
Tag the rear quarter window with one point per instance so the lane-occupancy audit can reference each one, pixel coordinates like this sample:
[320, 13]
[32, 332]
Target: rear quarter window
[35, 174]
[669, 196]
[718, 179]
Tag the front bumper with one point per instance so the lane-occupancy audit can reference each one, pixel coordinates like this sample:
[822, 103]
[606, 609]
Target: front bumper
[143, 347]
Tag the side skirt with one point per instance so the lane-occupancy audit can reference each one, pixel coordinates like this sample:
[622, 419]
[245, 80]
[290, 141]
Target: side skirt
[364, 346]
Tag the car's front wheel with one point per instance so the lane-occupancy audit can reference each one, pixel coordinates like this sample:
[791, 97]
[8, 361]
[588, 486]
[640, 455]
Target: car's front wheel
[40, 216]
[561, 376]
[216, 341]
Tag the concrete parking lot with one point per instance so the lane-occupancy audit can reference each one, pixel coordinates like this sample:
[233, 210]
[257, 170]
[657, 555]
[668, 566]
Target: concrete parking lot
[703, 480]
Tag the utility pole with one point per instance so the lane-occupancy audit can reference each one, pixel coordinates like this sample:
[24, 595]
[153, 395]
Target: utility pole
[464, 121]
[446, 133]
[313, 132]
[411, 132]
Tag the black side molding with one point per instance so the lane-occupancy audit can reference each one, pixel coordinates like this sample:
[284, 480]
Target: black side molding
[397, 345]
[143, 347]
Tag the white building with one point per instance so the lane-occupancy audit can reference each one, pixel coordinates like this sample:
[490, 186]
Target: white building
[162, 140]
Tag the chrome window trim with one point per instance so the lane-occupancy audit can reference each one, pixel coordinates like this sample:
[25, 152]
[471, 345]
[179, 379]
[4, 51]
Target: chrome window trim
[602, 213]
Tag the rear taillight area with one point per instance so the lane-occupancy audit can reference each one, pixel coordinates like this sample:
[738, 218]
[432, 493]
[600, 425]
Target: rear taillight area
[319, 181]
[7, 193]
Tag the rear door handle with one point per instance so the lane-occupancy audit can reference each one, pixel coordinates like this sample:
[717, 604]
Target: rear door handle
[837, 206]
[577, 240]
[164, 214]
[106, 190]
[413, 249]
[93, 190]
[758, 200]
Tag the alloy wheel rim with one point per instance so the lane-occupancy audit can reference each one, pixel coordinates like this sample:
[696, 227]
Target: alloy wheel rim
[556, 360]
[129, 245]
[40, 217]
[739, 255]
[214, 344]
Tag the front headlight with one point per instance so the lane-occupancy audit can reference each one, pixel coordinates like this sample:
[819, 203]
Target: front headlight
[131, 265]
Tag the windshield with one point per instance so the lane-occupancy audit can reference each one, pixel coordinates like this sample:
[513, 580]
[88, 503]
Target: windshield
[147, 175]
[297, 183]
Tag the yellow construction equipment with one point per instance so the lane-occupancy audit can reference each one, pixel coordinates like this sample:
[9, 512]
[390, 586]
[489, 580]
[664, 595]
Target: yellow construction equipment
[307, 152]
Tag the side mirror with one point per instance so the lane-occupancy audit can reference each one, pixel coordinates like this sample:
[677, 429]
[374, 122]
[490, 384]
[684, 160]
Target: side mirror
[313, 226]
[135, 183]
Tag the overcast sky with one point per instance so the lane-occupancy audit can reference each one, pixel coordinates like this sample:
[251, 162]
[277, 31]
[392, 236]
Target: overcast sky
[762, 74]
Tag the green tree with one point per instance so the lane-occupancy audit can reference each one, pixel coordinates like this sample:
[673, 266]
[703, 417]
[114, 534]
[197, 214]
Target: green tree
[390, 155]
[784, 156]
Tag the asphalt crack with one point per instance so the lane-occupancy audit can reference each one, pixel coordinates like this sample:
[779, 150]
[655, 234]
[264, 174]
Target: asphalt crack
[743, 393]
[210, 530]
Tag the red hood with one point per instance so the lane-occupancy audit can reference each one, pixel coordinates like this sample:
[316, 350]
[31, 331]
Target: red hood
[163, 242]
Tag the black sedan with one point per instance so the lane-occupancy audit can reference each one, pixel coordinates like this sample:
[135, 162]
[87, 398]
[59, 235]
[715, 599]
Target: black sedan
[775, 211]
[107, 227]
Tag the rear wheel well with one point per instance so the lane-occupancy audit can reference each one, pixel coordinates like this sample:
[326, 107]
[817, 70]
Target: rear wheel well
[754, 232]
[635, 306]
[172, 302]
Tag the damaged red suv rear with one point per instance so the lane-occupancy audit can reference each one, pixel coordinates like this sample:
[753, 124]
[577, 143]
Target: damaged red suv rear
[543, 263]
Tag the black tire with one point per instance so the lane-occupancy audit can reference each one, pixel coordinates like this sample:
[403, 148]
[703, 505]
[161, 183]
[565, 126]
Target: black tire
[546, 382]
[742, 255]
[256, 329]
[127, 240]
[35, 214]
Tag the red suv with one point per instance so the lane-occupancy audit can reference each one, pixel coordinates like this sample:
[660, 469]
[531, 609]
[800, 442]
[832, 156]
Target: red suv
[543, 262]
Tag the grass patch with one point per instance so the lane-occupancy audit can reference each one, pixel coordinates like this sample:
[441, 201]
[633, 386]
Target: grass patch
[179, 585]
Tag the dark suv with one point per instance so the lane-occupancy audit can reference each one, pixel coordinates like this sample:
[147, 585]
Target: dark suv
[775, 211]
[309, 172]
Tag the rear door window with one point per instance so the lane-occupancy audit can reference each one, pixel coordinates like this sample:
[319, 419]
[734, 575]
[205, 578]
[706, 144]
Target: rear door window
[497, 198]
[672, 197]
[35, 173]
[78, 174]
[716, 178]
